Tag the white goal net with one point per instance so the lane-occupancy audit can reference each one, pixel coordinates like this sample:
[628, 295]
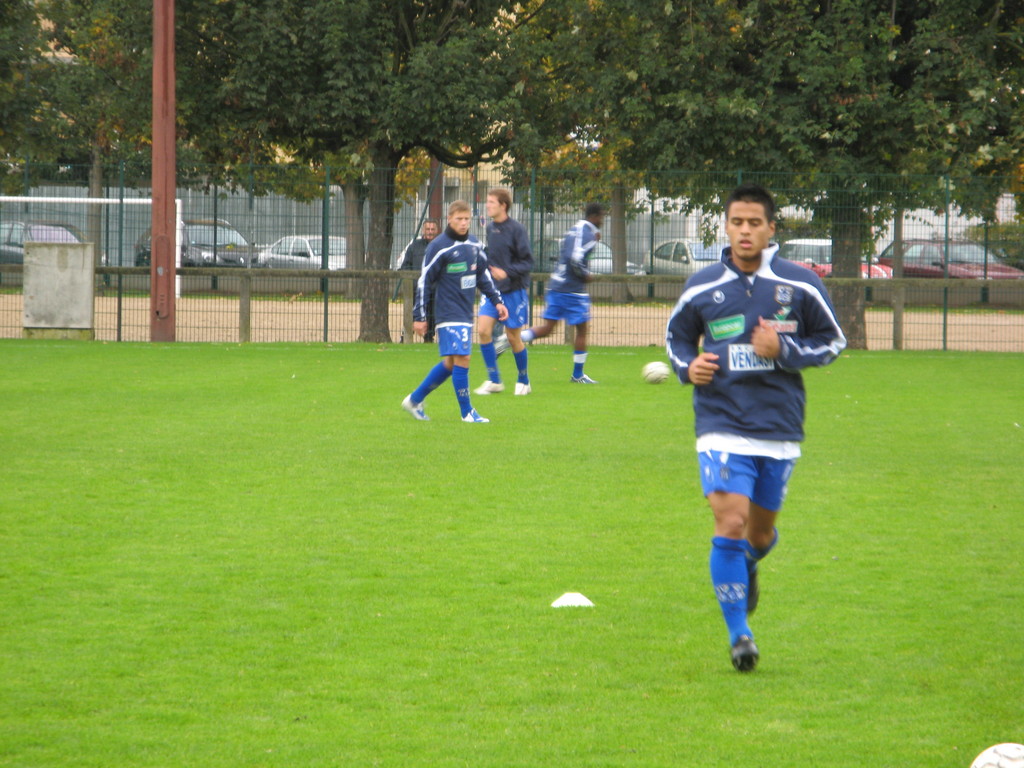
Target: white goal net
[118, 227]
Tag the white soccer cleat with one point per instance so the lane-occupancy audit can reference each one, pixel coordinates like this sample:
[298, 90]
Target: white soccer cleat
[522, 389]
[489, 388]
[584, 379]
[475, 418]
[416, 409]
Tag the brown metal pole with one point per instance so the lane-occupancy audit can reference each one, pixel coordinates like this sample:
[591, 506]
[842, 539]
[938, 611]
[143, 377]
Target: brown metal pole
[162, 263]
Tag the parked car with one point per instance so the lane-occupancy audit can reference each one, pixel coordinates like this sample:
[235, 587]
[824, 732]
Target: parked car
[304, 252]
[14, 235]
[709, 253]
[205, 243]
[674, 257]
[817, 255]
[966, 259]
[600, 261]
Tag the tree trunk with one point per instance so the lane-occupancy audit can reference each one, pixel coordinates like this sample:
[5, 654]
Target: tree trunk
[848, 221]
[373, 318]
[616, 226]
[355, 228]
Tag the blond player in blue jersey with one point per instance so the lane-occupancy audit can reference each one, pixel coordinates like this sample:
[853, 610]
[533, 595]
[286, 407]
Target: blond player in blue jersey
[454, 267]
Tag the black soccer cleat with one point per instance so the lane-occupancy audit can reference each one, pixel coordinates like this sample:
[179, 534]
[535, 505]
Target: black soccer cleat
[753, 591]
[745, 654]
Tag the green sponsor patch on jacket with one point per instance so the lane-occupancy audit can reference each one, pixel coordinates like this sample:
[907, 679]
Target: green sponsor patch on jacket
[727, 327]
[459, 266]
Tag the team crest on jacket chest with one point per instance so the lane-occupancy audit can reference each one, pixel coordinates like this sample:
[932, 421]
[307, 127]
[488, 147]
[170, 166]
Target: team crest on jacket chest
[784, 294]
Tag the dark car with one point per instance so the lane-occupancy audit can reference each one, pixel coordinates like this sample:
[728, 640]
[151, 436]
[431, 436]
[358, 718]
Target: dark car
[14, 235]
[205, 243]
[964, 259]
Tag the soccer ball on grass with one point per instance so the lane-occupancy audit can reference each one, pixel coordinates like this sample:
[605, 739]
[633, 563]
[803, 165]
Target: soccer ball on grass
[656, 372]
[1001, 756]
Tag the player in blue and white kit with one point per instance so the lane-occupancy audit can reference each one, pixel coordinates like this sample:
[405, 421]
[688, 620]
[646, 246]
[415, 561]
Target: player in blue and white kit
[567, 298]
[454, 266]
[510, 261]
[761, 320]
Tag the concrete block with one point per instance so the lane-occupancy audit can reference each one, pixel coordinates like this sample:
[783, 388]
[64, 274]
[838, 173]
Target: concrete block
[58, 291]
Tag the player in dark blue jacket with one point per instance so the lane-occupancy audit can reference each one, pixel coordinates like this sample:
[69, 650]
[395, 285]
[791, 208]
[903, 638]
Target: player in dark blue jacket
[741, 332]
[454, 267]
[510, 261]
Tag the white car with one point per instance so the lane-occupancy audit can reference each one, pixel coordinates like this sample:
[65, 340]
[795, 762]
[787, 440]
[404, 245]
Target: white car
[600, 262]
[675, 257]
[304, 252]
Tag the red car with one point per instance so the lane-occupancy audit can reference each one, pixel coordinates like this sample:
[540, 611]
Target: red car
[963, 259]
[816, 255]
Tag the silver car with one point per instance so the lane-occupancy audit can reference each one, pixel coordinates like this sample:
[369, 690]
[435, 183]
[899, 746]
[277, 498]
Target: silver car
[304, 252]
[14, 235]
[675, 257]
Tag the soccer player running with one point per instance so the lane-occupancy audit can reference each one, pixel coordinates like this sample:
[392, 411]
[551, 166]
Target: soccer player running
[567, 298]
[510, 262]
[762, 319]
[454, 266]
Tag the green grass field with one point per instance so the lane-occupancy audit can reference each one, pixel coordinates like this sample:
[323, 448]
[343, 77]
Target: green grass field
[223, 555]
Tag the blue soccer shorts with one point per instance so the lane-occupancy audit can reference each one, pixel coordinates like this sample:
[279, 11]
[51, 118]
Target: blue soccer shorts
[454, 338]
[759, 478]
[574, 308]
[516, 302]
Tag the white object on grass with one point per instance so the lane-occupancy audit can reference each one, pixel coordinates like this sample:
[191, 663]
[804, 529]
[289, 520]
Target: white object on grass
[656, 372]
[572, 600]
[1007, 755]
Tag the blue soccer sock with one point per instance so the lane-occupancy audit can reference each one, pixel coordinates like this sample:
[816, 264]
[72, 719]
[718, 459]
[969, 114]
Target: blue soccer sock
[520, 357]
[460, 380]
[579, 359]
[755, 555]
[437, 376]
[729, 576]
[491, 361]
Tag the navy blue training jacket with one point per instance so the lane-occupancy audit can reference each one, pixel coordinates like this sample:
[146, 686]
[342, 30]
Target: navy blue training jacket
[752, 396]
[453, 269]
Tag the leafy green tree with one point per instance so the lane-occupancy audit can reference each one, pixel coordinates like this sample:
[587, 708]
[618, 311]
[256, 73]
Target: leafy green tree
[577, 136]
[20, 53]
[98, 82]
[95, 87]
[837, 92]
[372, 79]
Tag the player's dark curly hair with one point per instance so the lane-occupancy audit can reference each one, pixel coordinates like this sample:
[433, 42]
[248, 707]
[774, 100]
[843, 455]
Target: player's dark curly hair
[752, 193]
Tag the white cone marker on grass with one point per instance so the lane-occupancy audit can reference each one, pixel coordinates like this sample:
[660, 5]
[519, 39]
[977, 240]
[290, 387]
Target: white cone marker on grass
[572, 600]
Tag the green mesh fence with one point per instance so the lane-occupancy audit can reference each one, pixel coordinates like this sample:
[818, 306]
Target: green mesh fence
[911, 262]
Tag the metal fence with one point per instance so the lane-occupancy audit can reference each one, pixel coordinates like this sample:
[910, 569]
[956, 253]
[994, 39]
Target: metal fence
[220, 305]
[661, 228]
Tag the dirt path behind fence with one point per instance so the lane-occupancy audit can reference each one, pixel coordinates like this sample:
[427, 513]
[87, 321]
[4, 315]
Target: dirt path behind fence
[216, 319]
